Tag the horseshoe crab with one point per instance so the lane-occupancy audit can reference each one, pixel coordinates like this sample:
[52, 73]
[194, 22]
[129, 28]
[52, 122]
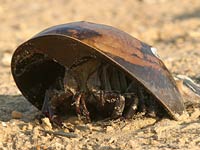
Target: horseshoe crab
[96, 71]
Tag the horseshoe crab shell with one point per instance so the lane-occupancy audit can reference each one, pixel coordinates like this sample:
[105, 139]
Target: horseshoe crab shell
[39, 60]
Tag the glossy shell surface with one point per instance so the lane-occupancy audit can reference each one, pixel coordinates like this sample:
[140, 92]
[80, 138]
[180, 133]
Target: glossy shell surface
[66, 43]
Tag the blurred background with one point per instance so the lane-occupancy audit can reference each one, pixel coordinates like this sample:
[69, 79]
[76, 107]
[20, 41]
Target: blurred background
[172, 26]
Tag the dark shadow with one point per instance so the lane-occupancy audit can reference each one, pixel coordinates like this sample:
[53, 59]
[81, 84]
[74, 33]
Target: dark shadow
[97, 146]
[10, 103]
[173, 40]
[188, 15]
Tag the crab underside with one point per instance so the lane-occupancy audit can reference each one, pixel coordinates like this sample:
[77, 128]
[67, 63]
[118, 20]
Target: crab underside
[91, 88]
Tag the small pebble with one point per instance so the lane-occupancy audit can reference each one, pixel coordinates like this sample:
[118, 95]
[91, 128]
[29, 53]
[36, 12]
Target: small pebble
[24, 128]
[82, 127]
[195, 114]
[109, 129]
[46, 123]
[6, 59]
[30, 127]
[16, 115]
[132, 143]
[126, 127]
[97, 128]
[112, 140]
[69, 147]
[3, 124]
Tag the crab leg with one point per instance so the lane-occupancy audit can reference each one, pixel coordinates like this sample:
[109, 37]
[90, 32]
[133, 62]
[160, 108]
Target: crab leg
[51, 92]
[85, 110]
[77, 99]
[130, 86]
[119, 107]
[123, 81]
[81, 108]
[133, 108]
[49, 111]
[46, 107]
[142, 100]
[105, 79]
[151, 107]
[112, 98]
[114, 79]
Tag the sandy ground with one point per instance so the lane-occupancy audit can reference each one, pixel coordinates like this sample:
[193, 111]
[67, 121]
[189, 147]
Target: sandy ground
[172, 26]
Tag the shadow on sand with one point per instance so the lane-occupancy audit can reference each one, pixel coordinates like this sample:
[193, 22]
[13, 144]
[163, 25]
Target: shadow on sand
[10, 103]
[188, 15]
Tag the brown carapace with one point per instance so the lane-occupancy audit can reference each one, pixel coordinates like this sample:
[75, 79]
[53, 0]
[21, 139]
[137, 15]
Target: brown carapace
[95, 71]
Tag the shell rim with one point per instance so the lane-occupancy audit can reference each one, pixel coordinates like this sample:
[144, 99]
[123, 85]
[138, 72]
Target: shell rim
[172, 114]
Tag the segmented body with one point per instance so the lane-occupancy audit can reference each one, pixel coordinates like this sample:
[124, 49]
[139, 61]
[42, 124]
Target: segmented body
[97, 90]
